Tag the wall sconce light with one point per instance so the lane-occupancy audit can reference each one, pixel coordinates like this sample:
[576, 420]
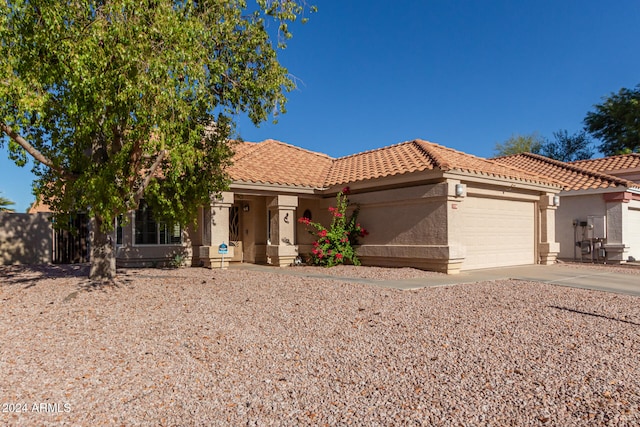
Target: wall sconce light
[556, 200]
[460, 190]
[245, 208]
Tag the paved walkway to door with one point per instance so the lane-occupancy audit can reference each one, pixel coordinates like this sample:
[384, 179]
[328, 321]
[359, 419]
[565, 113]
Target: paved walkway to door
[558, 274]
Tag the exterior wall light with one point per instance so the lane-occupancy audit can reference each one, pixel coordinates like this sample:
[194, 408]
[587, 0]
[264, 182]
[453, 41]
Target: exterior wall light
[245, 208]
[556, 200]
[460, 190]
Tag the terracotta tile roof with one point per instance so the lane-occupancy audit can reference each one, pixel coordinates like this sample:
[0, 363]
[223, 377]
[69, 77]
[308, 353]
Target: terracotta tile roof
[612, 163]
[274, 162]
[418, 155]
[393, 160]
[571, 176]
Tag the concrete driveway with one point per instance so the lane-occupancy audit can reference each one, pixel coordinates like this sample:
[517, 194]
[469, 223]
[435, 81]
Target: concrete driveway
[557, 274]
[572, 275]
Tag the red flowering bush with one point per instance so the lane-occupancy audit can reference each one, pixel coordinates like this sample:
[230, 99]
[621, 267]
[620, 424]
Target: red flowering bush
[334, 245]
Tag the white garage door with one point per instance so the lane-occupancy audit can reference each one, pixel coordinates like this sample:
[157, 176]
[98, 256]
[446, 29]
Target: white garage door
[498, 233]
[633, 233]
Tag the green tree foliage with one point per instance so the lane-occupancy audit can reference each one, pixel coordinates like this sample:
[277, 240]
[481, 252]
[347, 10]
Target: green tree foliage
[568, 148]
[120, 99]
[5, 203]
[516, 144]
[616, 122]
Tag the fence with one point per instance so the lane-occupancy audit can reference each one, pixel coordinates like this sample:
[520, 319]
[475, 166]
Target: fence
[71, 244]
[32, 239]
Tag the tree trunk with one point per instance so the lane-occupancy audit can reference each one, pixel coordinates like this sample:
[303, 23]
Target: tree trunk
[103, 257]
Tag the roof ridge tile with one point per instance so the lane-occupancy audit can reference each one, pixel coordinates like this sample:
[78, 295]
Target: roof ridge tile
[436, 158]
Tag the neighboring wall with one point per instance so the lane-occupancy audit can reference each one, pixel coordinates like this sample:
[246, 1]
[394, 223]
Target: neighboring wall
[25, 238]
[632, 232]
[575, 208]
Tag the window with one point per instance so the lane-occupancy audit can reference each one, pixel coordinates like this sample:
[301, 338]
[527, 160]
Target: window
[148, 231]
[119, 230]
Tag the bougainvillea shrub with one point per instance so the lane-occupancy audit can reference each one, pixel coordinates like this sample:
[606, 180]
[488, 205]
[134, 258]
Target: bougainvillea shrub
[335, 245]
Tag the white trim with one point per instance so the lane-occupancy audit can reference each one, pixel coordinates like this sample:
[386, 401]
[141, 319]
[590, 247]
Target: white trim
[147, 245]
[592, 191]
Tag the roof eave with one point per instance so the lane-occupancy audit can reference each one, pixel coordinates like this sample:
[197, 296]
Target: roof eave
[484, 178]
[592, 191]
[261, 188]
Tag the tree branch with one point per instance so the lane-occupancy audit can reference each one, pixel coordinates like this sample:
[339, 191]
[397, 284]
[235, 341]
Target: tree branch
[37, 155]
[145, 183]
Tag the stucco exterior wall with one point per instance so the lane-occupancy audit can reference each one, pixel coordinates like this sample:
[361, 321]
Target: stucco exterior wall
[630, 174]
[407, 226]
[25, 238]
[318, 209]
[575, 208]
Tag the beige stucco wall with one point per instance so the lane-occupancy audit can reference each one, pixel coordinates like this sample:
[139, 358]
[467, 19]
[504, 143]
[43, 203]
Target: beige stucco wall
[407, 226]
[25, 238]
[319, 213]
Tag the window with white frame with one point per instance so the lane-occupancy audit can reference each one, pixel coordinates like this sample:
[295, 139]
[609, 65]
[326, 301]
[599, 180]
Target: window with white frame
[148, 231]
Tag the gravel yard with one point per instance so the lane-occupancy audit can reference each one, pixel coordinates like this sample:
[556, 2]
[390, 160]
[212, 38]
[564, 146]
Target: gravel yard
[237, 347]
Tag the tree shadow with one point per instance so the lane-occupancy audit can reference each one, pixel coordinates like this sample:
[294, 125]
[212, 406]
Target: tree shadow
[25, 238]
[571, 310]
[30, 274]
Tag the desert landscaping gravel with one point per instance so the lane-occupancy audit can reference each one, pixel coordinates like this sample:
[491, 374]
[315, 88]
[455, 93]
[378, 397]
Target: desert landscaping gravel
[238, 347]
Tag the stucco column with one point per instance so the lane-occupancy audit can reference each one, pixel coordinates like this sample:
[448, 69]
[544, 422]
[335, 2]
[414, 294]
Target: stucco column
[614, 246]
[216, 231]
[282, 249]
[456, 194]
[548, 248]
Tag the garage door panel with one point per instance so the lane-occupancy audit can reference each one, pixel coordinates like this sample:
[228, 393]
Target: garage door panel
[498, 233]
[633, 235]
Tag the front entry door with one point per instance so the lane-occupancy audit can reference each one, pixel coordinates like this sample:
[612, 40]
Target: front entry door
[235, 236]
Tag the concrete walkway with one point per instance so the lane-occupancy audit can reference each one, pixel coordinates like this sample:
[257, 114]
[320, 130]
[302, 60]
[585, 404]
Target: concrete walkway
[557, 274]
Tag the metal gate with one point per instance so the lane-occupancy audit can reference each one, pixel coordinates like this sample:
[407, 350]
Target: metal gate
[71, 241]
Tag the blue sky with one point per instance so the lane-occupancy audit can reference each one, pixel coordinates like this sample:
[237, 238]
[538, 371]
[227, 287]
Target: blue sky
[464, 74]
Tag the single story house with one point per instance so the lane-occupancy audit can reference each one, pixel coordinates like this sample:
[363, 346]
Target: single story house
[626, 166]
[599, 214]
[425, 206]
